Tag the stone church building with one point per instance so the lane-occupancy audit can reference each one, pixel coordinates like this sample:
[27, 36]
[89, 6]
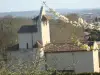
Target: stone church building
[31, 35]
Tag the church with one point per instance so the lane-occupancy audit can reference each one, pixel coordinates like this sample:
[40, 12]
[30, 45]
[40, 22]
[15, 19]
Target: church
[60, 56]
[32, 36]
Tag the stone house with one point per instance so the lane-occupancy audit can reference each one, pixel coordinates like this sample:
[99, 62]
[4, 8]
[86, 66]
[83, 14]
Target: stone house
[70, 58]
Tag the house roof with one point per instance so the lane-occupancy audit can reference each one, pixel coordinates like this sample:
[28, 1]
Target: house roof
[62, 47]
[28, 29]
[66, 47]
[44, 17]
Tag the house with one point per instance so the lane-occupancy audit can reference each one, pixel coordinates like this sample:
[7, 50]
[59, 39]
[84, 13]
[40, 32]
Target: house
[70, 58]
[61, 56]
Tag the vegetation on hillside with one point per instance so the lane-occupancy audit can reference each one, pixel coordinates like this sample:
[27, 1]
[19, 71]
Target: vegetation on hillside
[8, 30]
[8, 33]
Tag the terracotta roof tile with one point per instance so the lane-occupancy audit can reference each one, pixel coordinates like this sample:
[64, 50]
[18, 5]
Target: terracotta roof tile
[62, 47]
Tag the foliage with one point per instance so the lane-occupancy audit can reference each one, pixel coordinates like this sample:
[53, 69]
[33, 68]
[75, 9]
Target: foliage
[76, 41]
[81, 23]
[8, 30]
[94, 35]
[5, 72]
[8, 34]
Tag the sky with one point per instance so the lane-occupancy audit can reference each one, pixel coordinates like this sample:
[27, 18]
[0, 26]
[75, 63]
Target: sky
[29, 5]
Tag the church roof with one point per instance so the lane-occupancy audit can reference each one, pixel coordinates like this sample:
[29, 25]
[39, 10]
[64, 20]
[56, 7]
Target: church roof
[28, 29]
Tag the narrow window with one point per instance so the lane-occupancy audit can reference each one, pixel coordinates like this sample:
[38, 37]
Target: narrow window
[27, 45]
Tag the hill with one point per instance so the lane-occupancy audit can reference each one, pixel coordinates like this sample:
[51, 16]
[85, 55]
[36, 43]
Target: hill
[62, 11]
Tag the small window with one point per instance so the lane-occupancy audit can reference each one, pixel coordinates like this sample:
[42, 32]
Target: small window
[27, 45]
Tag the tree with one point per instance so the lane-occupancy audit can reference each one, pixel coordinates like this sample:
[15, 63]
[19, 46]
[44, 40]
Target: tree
[94, 35]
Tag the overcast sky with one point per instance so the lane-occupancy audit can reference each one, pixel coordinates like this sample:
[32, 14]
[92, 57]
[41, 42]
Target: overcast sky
[27, 5]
